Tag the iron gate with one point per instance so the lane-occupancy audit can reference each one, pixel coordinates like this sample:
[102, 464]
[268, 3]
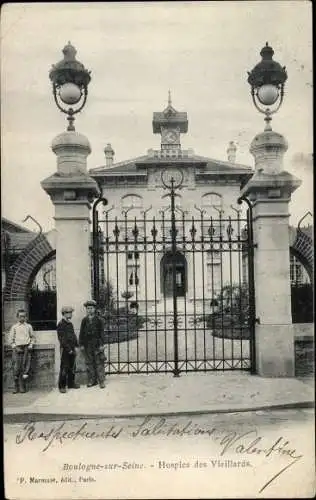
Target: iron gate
[176, 291]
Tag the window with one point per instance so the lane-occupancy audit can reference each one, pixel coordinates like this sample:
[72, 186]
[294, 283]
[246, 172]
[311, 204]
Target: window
[166, 218]
[213, 278]
[45, 279]
[132, 270]
[130, 201]
[212, 201]
[213, 256]
[133, 278]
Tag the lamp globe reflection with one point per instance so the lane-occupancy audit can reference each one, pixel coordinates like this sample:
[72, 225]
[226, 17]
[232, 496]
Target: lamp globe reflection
[70, 93]
[70, 81]
[267, 81]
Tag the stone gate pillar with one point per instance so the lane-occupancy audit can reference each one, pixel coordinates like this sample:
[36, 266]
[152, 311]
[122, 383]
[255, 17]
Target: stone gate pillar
[71, 190]
[269, 191]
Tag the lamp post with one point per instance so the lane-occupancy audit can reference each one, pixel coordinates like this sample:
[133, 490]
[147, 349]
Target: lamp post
[70, 80]
[268, 194]
[267, 80]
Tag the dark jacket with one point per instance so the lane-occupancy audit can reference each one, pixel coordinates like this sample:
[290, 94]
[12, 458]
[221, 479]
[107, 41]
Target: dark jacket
[92, 332]
[66, 335]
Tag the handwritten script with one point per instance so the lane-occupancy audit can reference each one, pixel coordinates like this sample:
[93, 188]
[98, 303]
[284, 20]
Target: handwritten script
[244, 444]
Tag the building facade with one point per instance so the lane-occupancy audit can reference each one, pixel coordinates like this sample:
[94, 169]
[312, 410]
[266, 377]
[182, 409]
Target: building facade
[206, 210]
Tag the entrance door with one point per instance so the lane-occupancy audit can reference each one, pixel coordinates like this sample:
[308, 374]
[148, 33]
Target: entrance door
[167, 278]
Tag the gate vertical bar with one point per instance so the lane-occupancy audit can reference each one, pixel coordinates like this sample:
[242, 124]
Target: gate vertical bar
[96, 248]
[252, 303]
[251, 285]
[174, 279]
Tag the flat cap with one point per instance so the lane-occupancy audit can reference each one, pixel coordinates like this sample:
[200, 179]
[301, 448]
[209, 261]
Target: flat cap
[90, 303]
[67, 309]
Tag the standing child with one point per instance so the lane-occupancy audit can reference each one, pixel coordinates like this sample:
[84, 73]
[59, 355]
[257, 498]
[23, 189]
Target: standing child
[22, 340]
[68, 346]
[91, 341]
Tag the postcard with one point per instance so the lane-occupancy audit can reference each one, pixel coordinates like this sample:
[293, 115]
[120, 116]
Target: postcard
[157, 250]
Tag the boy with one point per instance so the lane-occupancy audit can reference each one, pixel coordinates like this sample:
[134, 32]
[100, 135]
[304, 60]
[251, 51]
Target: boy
[68, 346]
[91, 340]
[22, 340]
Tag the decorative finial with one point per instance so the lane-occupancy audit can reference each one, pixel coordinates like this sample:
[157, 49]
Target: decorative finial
[69, 52]
[268, 119]
[169, 98]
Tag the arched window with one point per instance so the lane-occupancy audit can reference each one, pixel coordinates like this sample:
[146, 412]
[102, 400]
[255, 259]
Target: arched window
[213, 201]
[45, 278]
[166, 217]
[166, 200]
[130, 201]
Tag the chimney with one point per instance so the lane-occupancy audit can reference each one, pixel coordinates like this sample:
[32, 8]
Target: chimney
[109, 155]
[231, 152]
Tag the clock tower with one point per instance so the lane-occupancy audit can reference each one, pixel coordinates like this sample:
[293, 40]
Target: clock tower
[170, 124]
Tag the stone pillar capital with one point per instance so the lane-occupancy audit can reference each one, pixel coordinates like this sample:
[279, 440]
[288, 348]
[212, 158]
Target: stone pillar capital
[71, 149]
[269, 186]
[268, 150]
[71, 189]
[71, 184]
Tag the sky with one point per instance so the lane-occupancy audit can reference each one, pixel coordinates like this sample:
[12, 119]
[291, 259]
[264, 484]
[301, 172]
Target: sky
[136, 52]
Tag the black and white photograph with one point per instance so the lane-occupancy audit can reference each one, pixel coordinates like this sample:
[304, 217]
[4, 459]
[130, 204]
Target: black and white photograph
[157, 250]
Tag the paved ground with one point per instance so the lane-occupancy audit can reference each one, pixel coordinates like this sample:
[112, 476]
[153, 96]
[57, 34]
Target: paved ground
[262, 454]
[154, 394]
[197, 344]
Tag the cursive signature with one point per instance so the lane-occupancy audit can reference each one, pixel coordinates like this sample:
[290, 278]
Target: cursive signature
[240, 443]
[249, 443]
[245, 443]
[58, 434]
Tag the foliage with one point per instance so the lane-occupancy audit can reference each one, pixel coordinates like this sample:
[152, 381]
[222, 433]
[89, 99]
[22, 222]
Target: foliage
[106, 297]
[120, 323]
[230, 319]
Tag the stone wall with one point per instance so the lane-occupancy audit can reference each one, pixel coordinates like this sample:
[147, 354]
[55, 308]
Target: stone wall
[42, 368]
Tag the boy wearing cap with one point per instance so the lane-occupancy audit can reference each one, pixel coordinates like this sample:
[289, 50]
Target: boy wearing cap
[22, 340]
[91, 340]
[68, 345]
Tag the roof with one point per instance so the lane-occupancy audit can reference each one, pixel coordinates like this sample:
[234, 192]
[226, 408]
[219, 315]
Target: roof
[13, 227]
[170, 118]
[308, 230]
[18, 241]
[135, 166]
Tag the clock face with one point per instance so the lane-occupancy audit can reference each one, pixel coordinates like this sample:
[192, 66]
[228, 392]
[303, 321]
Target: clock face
[172, 177]
[170, 136]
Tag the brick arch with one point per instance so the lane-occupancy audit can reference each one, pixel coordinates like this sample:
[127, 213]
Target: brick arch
[302, 249]
[25, 267]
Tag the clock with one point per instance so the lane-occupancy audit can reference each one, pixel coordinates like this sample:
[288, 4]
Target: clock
[172, 177]
[170, 136]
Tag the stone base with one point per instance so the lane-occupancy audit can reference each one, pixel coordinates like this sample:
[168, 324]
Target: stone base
[41, 372]
[275, 354]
